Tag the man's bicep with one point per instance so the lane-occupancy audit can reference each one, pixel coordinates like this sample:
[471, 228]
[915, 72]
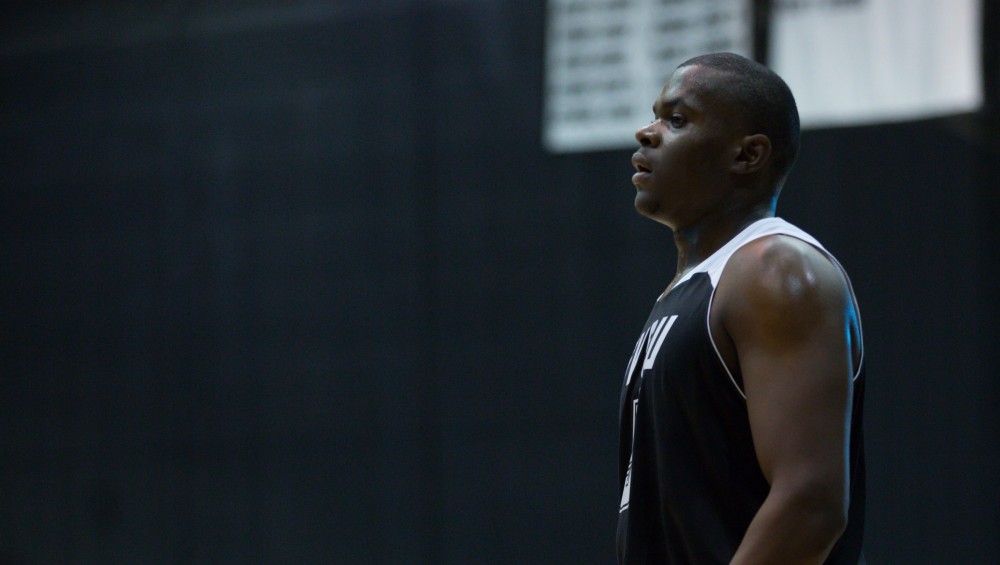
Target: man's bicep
[798, 401]
[790, 330]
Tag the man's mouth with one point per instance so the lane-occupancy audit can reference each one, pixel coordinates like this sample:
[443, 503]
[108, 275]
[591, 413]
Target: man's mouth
[643, 169]
[641, 164]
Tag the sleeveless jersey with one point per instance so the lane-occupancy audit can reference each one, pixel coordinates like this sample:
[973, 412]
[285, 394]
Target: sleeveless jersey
[689, 478]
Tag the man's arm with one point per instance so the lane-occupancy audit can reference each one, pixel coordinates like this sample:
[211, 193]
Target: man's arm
[786, 309]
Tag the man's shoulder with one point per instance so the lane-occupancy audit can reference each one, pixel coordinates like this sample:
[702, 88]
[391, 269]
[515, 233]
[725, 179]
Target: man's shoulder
[777, 254]
[779, 274]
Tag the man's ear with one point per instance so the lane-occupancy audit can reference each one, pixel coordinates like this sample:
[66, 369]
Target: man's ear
[752, 153]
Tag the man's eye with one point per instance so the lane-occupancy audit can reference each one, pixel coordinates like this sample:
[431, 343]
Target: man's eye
[677, 120]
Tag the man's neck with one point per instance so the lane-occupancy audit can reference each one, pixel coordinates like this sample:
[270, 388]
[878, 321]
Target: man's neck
[696, 243]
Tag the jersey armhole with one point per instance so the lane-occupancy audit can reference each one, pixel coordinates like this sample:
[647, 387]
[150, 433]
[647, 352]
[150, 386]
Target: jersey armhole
[715, 347]
[850, 290]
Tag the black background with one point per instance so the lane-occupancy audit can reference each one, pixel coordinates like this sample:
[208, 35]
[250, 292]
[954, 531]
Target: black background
[297, 283]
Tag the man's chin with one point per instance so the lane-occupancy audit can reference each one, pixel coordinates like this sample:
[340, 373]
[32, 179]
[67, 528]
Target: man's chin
[646, 206]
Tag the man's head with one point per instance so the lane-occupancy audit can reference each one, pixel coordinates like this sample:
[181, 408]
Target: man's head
[764, 101]
[725, 133]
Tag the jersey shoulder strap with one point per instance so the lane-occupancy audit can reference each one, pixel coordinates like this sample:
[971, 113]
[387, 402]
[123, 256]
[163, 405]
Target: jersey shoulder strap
[716, 262]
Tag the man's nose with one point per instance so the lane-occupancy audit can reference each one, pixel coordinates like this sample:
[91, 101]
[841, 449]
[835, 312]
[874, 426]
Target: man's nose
[647, 136]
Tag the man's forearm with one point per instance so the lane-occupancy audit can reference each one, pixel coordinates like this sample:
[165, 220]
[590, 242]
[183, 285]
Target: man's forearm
[792, 529]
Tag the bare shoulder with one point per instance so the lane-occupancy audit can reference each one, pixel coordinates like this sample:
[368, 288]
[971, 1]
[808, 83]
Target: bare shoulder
[780, 284]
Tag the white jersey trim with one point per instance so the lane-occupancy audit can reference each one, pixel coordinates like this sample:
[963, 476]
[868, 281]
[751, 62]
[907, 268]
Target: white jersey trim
[716, 263]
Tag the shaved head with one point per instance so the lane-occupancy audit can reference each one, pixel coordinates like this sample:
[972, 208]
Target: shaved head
[762, 99]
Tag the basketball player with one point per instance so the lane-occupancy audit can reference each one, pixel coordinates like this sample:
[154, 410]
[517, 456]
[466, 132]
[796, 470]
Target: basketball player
[741, 405]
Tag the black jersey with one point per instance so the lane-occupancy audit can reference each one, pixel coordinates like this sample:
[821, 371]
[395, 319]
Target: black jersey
[689, 479]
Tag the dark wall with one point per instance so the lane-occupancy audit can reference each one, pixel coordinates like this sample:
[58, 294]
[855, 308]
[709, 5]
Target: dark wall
[299, 285]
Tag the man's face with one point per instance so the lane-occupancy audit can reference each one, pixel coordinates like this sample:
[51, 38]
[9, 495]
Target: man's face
[683, 162]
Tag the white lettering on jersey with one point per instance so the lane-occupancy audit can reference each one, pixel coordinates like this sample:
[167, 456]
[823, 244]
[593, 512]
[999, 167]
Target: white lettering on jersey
[628, 474]
[654, 334]
[657, 334]
[635, 357]
[653, 338]
[627, 489]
